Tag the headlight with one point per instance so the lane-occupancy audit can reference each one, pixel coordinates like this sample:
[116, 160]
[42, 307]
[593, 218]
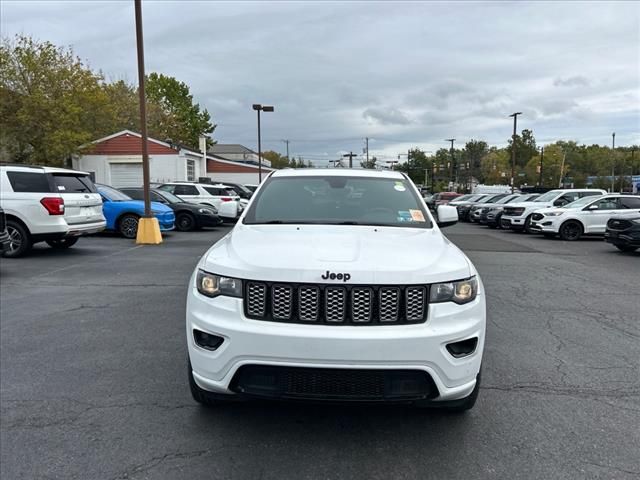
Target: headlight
[553, 214]
[205, 211]
[213, 285]
[461, 292]
[636, 221]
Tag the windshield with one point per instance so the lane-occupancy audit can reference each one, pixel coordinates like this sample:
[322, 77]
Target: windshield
[112, 194]
[581, 202]
[338, 200]
[168, 196]
[507, 199]
[493, 199]
[463, 197]
[547, 197]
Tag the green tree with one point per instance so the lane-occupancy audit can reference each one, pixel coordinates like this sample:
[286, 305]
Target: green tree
[277, 160]
[369, 164]
[50, 102]
[182, 120]
[525, 148]
[495, 166]
[474, 150]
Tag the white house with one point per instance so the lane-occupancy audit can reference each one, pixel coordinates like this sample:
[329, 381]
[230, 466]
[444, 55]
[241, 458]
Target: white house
[117, 160]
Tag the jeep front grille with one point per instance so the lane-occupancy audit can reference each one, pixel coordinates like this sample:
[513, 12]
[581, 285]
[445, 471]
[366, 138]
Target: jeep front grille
[336, 304]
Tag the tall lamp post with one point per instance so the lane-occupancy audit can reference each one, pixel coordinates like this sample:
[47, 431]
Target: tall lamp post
[513, 150]
[261, 108]
[451, 178]
[613, 160]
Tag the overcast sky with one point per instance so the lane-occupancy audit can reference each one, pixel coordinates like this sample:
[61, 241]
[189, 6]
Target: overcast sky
[402, 74]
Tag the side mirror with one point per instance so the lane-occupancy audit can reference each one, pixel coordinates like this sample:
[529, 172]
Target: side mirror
[447, 216]
[559, 203]
[592, 207]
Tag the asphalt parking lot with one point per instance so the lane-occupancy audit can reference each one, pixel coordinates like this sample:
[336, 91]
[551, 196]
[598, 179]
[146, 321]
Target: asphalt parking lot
[93, 375]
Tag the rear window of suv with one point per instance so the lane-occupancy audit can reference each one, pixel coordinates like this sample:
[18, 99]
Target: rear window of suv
[30, 182]
[69, 183]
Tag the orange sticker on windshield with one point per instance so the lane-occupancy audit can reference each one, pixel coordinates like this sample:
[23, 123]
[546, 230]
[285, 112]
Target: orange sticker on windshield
[417, 215]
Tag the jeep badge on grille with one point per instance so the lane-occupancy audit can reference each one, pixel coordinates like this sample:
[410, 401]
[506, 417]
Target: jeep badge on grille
[336, 276]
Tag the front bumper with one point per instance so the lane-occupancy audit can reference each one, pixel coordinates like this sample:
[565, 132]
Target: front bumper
[629, 237]
[513, 223]
[419, 347]
[546, 225]
[208, 220]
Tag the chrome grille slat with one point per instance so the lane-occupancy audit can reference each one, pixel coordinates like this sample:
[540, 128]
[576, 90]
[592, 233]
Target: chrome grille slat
[415, 302]
[361, 304]
[256, 299]
[281, 302]
[336, 304]
[389, 310]
[308, 303]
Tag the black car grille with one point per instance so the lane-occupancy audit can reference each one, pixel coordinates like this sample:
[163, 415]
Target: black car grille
[332, 383]
[537, 216]
[513, 211]
[618, 224]
[336, 304]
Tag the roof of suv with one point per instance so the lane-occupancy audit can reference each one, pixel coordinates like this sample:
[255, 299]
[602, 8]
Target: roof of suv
[336, 172]
[31, 168]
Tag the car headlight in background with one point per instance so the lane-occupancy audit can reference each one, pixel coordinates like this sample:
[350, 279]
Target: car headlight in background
[206, 211]
[553, 214]
[212, 285]
[637, 221]
[463, 291]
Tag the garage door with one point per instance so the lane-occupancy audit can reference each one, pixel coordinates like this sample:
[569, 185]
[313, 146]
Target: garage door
[126, 175]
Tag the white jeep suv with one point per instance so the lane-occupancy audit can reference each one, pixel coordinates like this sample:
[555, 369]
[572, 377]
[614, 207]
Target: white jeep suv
[518, 216]
[223, 198]
[45, 204]
[337, 285]
[586, 216]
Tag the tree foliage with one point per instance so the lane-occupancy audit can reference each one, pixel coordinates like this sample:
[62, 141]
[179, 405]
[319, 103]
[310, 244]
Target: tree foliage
[51, 104]
[369, 164]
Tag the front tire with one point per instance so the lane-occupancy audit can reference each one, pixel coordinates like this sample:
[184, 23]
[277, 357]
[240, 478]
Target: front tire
[128, 226]
[571, 230]
[62, 243]
[527, 225]
[626, 248]
[185, 222]
[19, 240]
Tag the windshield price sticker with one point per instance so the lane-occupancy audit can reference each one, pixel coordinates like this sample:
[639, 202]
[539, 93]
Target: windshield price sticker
[417, 215]
[399, 187]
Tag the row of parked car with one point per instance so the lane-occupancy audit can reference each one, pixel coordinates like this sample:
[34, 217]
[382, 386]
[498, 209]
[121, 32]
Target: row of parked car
[569, 214]
[58, 206]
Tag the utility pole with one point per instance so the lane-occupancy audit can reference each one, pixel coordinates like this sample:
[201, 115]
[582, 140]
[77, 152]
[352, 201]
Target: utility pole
[541, 160]
[561, 179]
[350, 155]
[148, 226]
[613, 160]
[452, 158]
[287, 142]
[513, 150]
[367, 147]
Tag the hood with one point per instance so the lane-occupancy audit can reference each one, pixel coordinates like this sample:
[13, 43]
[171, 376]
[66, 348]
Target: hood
[304, 253]
[529, 204]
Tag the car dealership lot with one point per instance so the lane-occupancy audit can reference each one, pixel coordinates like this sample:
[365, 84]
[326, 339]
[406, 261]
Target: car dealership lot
[93, 375]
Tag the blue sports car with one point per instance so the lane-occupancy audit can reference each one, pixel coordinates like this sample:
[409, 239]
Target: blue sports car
[122, 212]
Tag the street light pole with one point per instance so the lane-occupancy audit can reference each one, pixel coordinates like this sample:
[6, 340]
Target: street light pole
[452, 157]
[513, 150]
[261, 108]
[613, 160]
